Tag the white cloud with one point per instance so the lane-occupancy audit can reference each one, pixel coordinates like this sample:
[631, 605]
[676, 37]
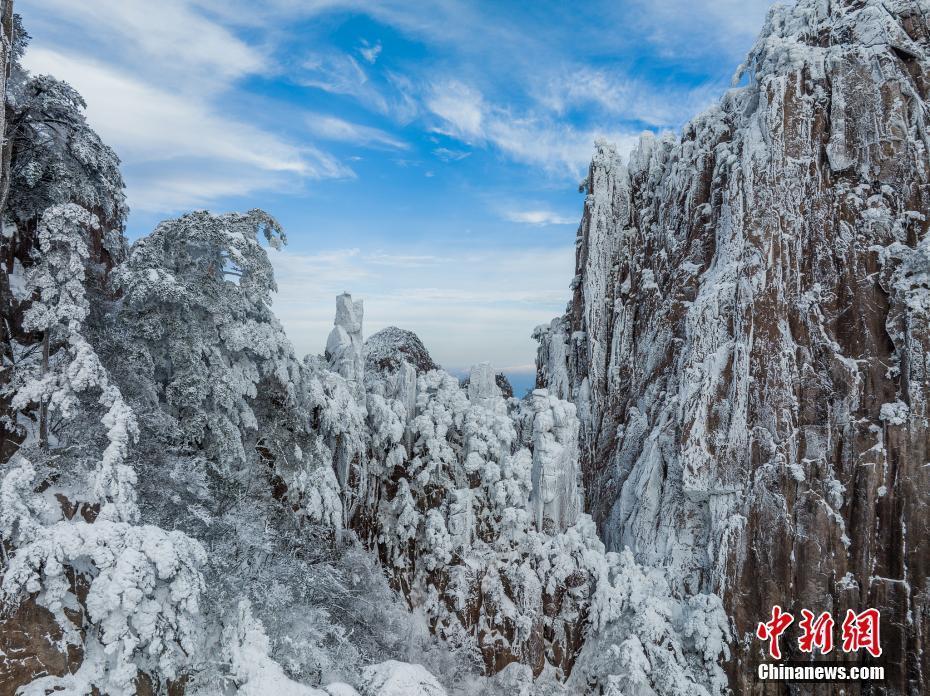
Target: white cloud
[697, 27]
[459, 106]
[332, 128]
[556, 147]
[339, 73]
[536, 139]
[146, 124]
[402, 106]
[622, 97]
[335, 72]
[191, 186]
[448, 155]
[539, 217]
[169, 42]
[370, 53]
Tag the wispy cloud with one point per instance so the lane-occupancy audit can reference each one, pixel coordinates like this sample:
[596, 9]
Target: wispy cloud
[335, 72]
[447, 155]
[146, 124]
[622, 97]
[153, 79]
[338, 72]
[539, 217]
[169, 190]
[459, 107]
[370, 52]
[533, 138]
[333, 128]
[172, 43]
[554, 146]
[537, 139]
[688, 28]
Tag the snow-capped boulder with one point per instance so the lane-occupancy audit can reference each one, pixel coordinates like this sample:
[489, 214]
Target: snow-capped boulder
[387, 348]
[394, 678]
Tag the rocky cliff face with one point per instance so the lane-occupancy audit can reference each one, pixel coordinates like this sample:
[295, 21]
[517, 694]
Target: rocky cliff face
[748, 339]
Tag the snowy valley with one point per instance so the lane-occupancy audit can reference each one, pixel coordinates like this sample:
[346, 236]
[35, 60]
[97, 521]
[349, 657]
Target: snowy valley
[731, 414]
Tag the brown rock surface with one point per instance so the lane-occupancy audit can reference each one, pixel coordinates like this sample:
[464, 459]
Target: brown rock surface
[31, 647]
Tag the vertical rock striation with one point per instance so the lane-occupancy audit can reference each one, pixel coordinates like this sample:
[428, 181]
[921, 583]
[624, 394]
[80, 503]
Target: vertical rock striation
[748, 339]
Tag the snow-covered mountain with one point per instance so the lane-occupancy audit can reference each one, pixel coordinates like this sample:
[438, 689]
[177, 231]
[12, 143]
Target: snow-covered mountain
[747, 339]
[731, 414]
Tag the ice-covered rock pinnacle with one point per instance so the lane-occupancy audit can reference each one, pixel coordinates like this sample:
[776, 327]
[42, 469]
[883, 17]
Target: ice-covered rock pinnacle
[482, 386]
[344, 347]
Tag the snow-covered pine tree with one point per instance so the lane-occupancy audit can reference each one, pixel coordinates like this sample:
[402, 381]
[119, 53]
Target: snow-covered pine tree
[51, 157]
[119, 600]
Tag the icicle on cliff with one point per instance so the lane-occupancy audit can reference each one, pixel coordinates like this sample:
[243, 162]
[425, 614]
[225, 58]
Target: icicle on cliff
[747, 342]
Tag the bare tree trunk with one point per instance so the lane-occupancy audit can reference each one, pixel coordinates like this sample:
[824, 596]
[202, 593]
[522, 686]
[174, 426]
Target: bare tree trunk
[6, 54]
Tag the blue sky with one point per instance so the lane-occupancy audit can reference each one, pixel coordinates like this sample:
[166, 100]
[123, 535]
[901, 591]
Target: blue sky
[424, 156]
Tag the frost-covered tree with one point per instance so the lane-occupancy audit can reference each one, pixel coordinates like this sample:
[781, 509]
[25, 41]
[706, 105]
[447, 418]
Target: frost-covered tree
[65, 365]
[50, 158]
[199, 332]
[204, 359]
[643, 640]
[10, 28]
[126, 597]
[55, 156]
[56, 313]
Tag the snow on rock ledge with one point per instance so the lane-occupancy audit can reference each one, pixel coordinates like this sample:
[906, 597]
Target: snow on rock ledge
[393, 678]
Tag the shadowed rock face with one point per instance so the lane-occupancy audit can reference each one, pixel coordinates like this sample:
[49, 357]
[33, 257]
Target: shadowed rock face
[500, 379]
[748, 340]
[30, 641]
